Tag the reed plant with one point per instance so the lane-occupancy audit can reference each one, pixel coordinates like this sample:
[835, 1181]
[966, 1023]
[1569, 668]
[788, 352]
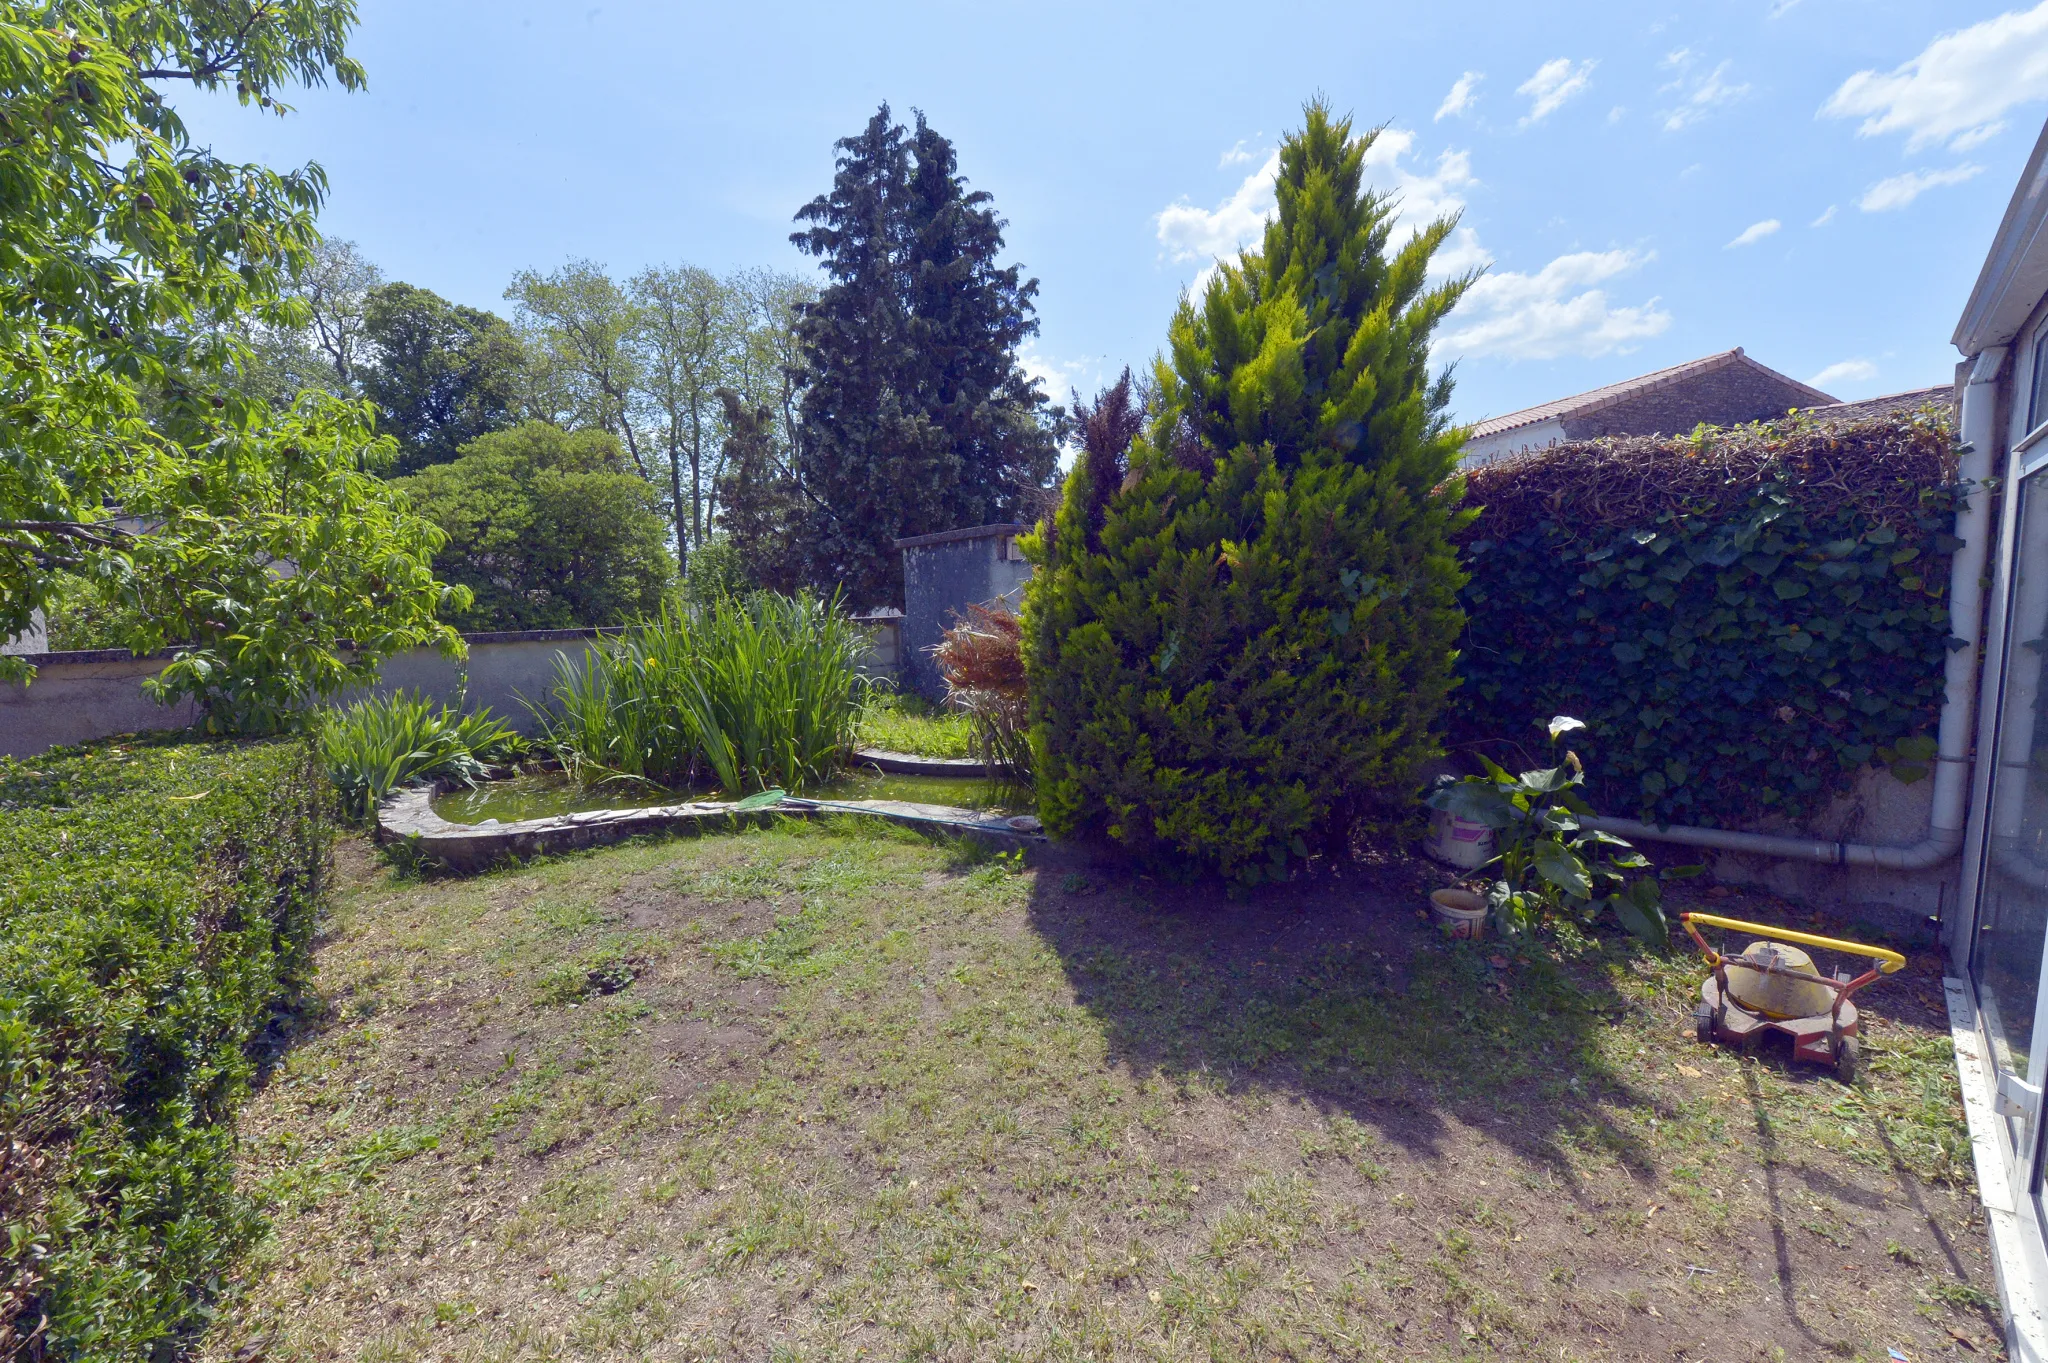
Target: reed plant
[754, 694]
[383, 742]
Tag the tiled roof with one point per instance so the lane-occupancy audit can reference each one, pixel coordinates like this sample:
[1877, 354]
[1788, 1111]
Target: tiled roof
[1889, 403]
[1629, 388]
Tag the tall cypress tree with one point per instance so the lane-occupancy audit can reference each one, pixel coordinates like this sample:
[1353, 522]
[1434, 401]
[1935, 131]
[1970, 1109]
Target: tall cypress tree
[916, 415]
[1240, 642]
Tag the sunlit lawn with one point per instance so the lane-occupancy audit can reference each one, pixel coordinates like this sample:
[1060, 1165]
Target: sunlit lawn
[831, 1094]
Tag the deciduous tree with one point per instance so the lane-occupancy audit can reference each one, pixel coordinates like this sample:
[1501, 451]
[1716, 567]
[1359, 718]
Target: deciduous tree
[133, 262]
[441, 374]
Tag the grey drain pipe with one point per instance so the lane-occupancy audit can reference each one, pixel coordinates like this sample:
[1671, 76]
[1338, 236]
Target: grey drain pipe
[1966, 620]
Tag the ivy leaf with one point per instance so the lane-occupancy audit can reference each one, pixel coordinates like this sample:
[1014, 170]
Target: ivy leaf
[1789, 589]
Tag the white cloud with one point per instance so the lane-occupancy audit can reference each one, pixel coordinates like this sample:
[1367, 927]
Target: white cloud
[1424, 196]
[1781, 6]
[1960, 87]
[1844, 371]
[1461, 253]
[1615, 114]
[1901, 190]
[1824, 219]
[1191, 233]
[1557, 81]
[1557, 311]
[1238, 155]
[1706, 94]
[1754, 233]
[1460, 98]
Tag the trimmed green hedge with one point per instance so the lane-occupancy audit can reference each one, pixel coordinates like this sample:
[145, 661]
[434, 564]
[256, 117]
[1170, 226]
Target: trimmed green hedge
[157, 906]
[1743, 617]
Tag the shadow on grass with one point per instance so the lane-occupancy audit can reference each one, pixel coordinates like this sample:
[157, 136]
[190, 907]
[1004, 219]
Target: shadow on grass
[1332, 992]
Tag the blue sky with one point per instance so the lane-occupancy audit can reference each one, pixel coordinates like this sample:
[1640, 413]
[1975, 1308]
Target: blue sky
[1814, 180]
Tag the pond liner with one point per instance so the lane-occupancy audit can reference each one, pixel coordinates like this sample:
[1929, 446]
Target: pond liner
[408, 816]
[911, 764]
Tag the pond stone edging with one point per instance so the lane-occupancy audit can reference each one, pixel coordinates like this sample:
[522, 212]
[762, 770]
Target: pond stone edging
[911, 764]
[408, 816]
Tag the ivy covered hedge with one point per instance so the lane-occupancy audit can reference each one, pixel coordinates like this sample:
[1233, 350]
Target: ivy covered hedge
[157, 903]
[1743, 616]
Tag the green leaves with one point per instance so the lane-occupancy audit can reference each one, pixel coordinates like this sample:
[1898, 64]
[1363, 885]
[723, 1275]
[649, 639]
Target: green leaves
[1807, 638]
[133, 262]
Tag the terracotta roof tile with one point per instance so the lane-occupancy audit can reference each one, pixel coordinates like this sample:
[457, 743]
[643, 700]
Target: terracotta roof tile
[1613, 393]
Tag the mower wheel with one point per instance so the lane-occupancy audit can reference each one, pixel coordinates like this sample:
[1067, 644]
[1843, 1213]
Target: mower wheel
[1703, 1023]
[1848, 1059]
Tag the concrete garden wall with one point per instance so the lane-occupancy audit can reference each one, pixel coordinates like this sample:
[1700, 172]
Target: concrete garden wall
[77, 697]
[944, 574]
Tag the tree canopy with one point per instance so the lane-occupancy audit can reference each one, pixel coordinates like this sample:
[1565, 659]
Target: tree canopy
[916, 416]
[441, 374]
[134, 265]
[547, 528]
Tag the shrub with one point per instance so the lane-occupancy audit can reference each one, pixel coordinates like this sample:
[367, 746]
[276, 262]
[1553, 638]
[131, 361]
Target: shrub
[547, 528]
[753, 694]
[982, 661]
[1746, 615]
[381, 743]
[157, 902]
[1241, 637]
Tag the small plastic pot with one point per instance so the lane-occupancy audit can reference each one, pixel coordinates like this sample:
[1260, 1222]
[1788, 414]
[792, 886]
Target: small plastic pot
[1459, 913]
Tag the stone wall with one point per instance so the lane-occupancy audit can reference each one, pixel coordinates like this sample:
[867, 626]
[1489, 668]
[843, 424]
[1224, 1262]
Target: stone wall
[943, 575]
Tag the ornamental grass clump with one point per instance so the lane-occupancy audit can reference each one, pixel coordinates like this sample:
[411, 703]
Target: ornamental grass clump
[1243, 627]
[982, 660]
[381, 743]
[756, 694]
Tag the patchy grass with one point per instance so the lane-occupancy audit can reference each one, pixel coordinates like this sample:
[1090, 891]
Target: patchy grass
[911, 724]
[822, 1093]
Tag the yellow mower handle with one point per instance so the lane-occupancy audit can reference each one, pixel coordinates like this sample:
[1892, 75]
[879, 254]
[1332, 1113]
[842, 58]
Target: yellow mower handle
[1888, 961]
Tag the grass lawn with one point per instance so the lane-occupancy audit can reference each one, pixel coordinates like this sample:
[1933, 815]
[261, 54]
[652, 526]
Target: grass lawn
[827, 1093]
[910, 724]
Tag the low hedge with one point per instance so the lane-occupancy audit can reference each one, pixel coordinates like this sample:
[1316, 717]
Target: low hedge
[157, 905]
[1743, 616]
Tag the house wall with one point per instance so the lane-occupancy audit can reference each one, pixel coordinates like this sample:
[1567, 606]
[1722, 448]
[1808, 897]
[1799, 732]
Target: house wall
[1727, 396]
[1486, 449]
[939, 582]
[1877, 809]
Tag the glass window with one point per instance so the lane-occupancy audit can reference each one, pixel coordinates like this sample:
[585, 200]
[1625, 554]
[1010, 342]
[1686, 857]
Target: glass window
[2036, 413]
[2012, 914]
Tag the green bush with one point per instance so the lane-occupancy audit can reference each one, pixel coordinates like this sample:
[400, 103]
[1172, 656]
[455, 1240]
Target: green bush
[383, 742]
[1744, 616]
[1241, 641]
[757, 694]
[157, 904]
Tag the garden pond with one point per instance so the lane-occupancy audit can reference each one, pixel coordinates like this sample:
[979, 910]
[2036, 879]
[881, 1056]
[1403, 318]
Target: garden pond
[544, 795]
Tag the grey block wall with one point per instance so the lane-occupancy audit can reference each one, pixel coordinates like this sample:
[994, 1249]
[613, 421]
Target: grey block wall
[943, 574]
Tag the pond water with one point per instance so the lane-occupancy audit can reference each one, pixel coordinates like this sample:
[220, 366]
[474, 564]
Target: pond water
[543, 795]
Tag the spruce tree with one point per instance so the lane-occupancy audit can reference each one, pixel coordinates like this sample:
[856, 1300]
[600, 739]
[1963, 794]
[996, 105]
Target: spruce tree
[916, 415]
[1241, 635]
[758, 507]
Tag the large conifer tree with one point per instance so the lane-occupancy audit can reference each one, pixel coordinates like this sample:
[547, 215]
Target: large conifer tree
[916, 415]
[1243, 633]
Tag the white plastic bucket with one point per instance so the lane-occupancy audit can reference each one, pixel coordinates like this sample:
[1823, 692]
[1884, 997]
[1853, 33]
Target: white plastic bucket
[1459, 842]
[1460, 913]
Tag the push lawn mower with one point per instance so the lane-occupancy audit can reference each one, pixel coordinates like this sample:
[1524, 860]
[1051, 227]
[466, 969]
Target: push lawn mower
[1771, 988]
